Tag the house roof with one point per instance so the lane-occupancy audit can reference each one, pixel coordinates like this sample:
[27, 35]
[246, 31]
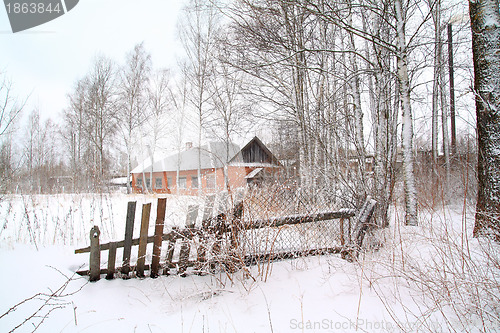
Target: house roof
[213, 155]
[250, 155]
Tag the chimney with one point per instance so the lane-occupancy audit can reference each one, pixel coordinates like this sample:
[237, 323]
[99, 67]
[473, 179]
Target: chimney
[189, 145]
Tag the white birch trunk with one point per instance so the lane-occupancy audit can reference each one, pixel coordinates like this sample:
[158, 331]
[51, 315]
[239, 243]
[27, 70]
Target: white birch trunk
[407, 131]
[485, 25]
[435, 84]
[358, 112]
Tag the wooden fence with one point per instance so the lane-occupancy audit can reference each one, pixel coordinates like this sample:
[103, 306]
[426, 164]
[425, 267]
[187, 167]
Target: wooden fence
[229, 226]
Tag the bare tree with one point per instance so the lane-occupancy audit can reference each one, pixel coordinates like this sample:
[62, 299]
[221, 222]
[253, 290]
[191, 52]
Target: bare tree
[10, 111]
[198, 35]
[485, 25]
[134, 100]
[229, 110]
[41, 147]
[160, 100]
[179, 97]
[10, 107]
[75, 137]
[90, 120]
[7, 164]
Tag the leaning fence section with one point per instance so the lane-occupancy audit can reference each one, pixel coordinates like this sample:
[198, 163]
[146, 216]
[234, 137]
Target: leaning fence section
[284, 222]
[259, 226]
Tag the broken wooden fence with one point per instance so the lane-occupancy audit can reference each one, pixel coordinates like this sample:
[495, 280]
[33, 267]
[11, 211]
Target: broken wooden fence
[157, 239]
[228, 226]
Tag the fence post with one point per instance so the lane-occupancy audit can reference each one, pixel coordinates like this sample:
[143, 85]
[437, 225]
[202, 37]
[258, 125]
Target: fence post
[360, 229]
[111, 261]
[342, 239]
[160, 222]
[129, 230]
[95, 254]
[143, 239]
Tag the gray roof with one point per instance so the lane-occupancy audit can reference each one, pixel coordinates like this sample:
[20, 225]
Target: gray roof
[213, 155]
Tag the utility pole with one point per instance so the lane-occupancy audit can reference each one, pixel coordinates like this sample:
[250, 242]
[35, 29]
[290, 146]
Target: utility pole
[452, 91]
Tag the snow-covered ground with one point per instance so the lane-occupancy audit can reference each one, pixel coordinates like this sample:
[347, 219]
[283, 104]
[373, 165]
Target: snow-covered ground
[431, 278]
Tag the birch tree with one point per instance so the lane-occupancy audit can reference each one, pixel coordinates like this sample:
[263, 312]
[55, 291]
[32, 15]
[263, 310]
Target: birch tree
[435, 7]
[160, 101]
[99, 122]
[398, 47]
[198, 35]
[229, 110]
[41, 151]
[10, 112]
[10, 107]
[133, 91]
[407, 129]
[485, 25]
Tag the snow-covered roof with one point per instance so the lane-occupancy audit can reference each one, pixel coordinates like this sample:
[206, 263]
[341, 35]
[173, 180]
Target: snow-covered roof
[253, 173]
[213, 155]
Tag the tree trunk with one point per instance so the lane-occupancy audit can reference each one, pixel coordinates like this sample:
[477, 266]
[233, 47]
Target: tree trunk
[407, 131]
[358, 112]
[485, 24]
[129, 189]
[436, 82]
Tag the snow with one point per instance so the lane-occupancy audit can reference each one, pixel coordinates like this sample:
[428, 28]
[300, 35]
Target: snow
[381, 293]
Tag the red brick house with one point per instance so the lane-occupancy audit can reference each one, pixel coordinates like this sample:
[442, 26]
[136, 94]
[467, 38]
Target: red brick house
[178, 173]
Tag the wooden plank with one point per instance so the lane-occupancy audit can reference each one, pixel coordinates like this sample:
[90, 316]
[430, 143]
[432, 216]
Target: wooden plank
[160, 222]
[170, 253]
[111, 261]
[127, 243]
[120, 244]
[207, 214]
[151, 239]
[192, 214]
[223, 202]
[235, 224]
[209, 206]
[360, 229]
[297, 219]
[364, 220]
[95, 254]
[119, 269]
[257, 258]
[185, 245]
[184, 257]
[143, 239]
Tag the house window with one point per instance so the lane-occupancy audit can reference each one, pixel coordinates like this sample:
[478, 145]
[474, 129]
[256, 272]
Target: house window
[194, 182]
[211, 181]
[148, 182]
[182, 182]
[139, 182]
[169, 182]
[158, 183]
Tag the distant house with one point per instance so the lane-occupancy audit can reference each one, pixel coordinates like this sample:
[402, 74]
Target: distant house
[178, 173]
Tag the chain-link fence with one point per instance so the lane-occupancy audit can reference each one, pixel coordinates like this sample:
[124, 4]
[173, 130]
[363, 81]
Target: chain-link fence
[274, 223]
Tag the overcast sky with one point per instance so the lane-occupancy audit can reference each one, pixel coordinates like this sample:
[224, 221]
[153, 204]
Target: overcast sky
[44, 62]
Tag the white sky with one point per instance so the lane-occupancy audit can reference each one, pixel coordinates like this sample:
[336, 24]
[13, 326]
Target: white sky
[44, 62]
